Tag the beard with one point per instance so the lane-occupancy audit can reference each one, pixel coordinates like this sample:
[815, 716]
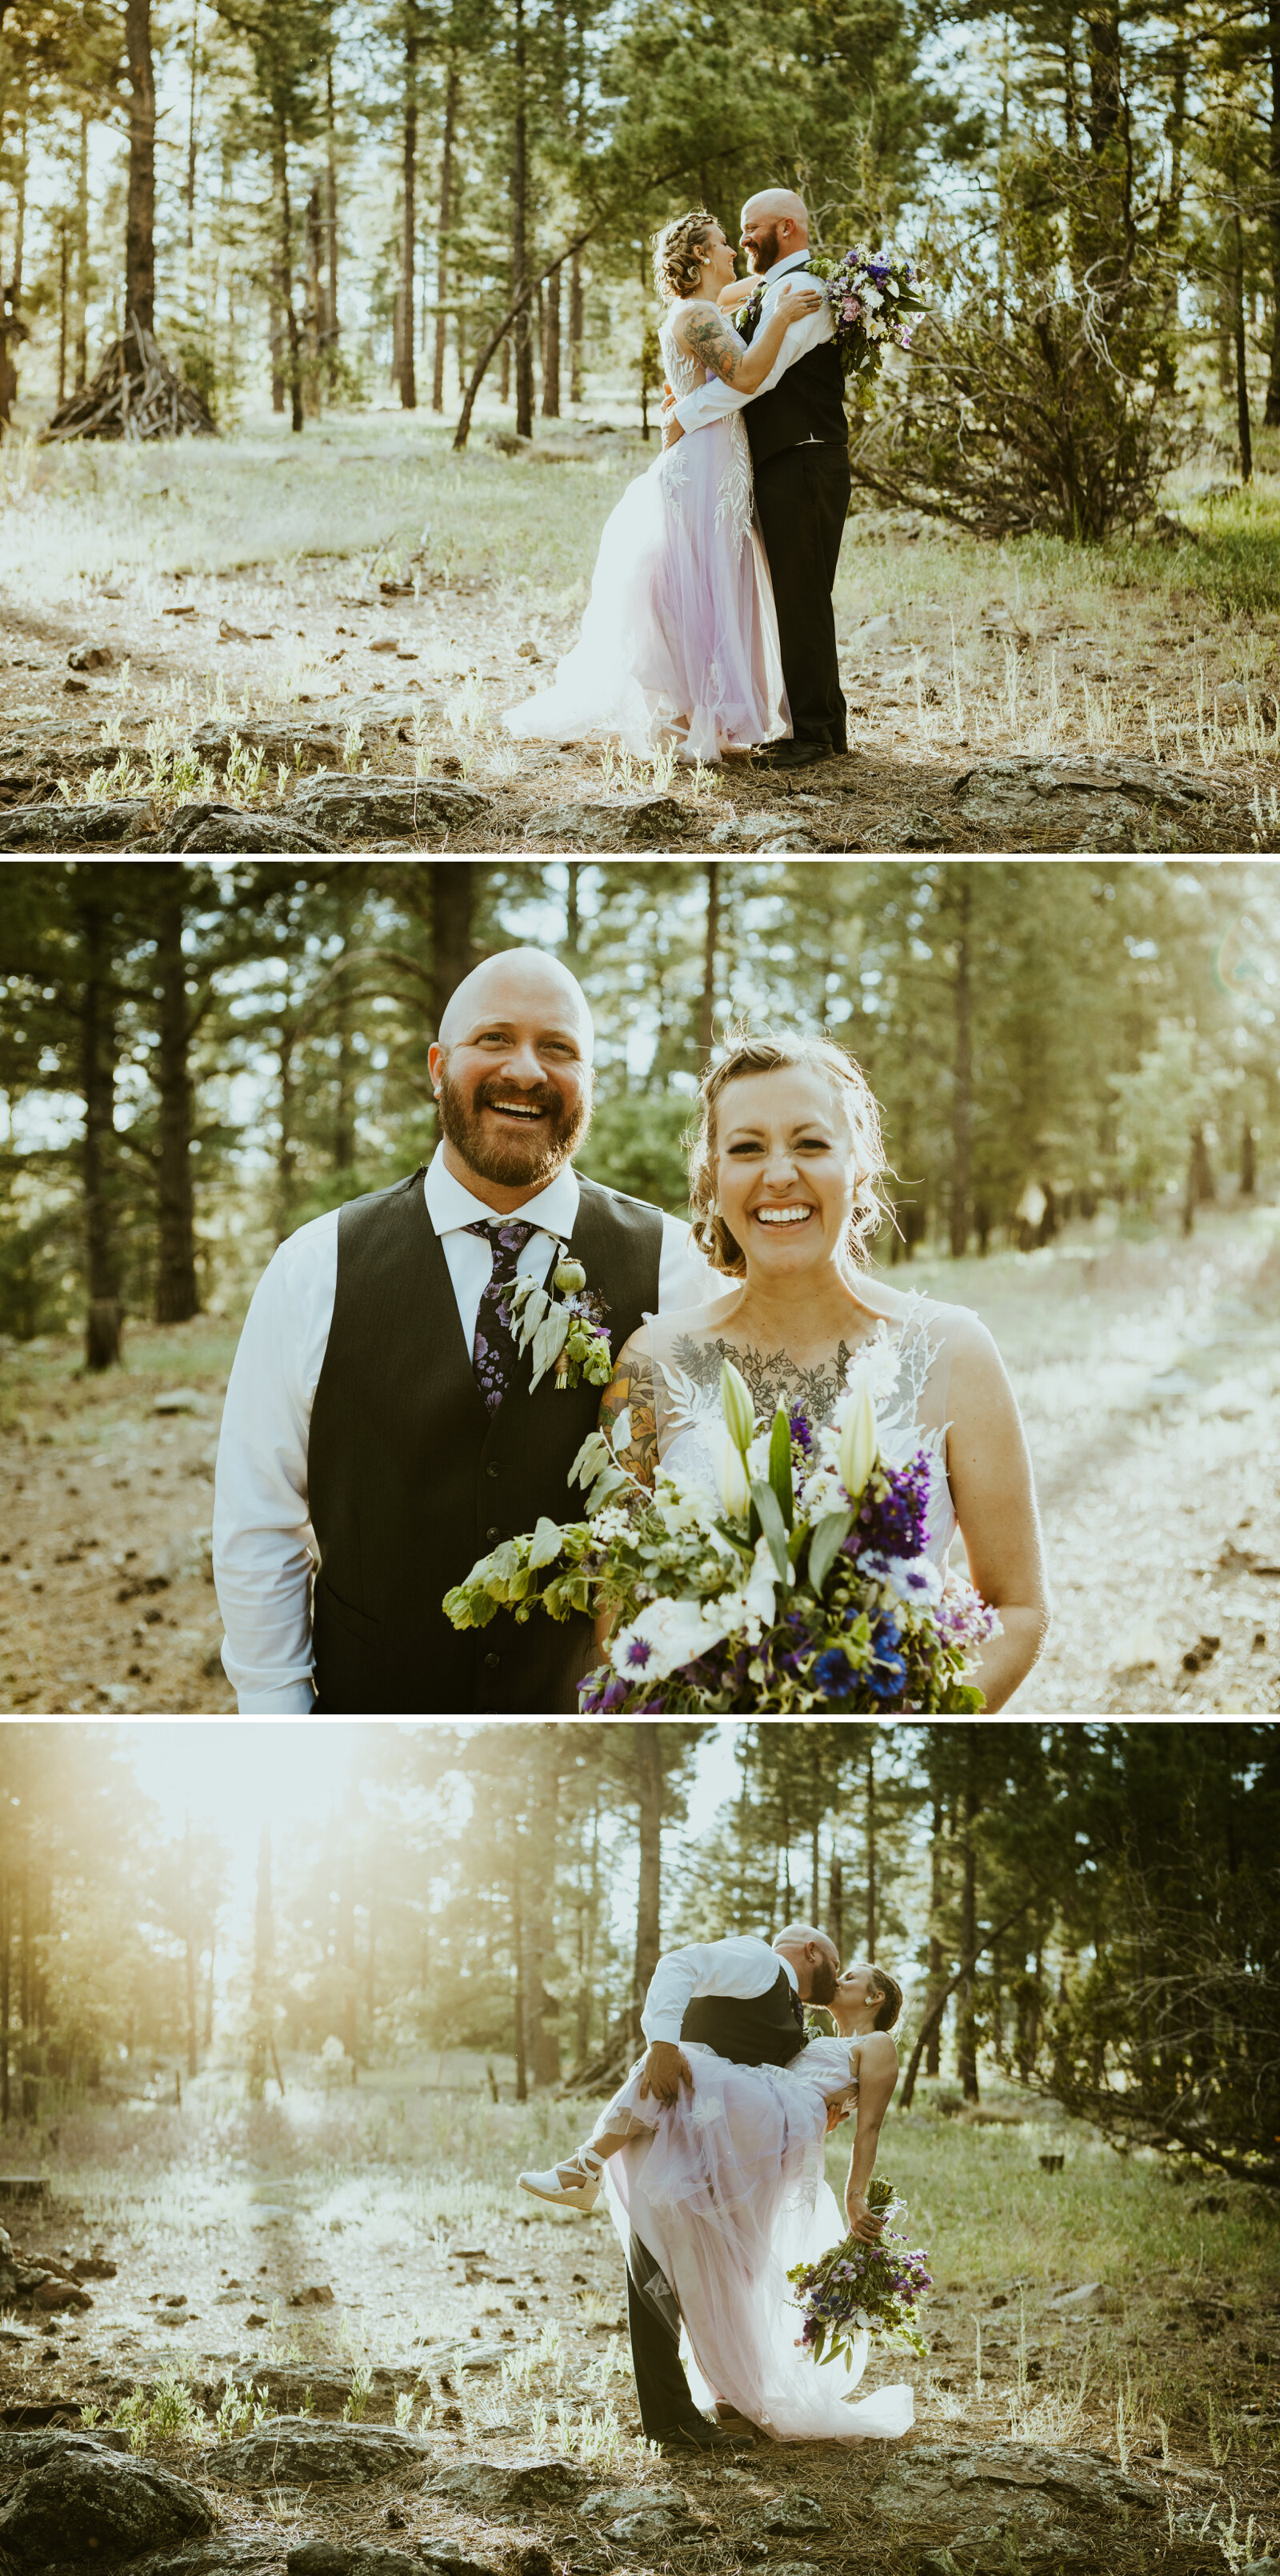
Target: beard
[825, 1981]
[765, 251]
[513, 1161]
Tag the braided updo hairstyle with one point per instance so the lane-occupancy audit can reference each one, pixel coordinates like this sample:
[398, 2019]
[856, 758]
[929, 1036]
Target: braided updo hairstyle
[748, 1051]
[676, 265]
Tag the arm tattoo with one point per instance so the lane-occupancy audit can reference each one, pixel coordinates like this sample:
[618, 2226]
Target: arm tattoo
[631, 1388]
[707, 340]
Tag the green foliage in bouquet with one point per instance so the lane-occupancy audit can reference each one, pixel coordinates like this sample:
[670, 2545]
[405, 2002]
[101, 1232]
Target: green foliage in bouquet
[859, 2288]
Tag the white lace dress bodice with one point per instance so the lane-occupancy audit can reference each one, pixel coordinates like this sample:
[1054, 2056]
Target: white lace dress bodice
[907, 1366]
[734, 497]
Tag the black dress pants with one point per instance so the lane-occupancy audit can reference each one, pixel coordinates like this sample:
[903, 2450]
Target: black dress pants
[664, 2394]
[802, 496]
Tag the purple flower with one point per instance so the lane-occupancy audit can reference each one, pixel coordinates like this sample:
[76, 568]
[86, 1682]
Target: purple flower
[834, 1674]
[639, 1652]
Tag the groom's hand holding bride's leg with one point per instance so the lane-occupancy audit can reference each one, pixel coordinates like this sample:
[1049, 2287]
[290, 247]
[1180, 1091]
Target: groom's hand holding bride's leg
[666, 2068]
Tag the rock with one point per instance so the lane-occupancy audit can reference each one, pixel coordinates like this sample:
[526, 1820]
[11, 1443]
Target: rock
[650, 2529]
[794, 2514]
[230, 827]
[389, 717]
[93, 2267]
[1033, 803]
[34, 2450]
[920, 830]
[293, 2450]
[70, 827]
[319, 2296]
[227, 2554]
[1093, 2298]
[476, 2356]
[527, 2558]
[633, 823]
[877, 630]
[639, 2499]
[984, 2500]
[60, 2294]
[492, 2489]
[319, 2558]
[771, 835]
[90, 657]
[180, 1399]
[93, 2499]
[406, 806]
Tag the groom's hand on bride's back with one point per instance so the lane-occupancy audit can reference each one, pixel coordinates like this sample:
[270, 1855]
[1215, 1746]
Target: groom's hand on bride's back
[666, 2068]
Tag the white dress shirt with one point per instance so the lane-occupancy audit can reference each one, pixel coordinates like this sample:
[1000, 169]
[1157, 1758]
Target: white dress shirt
[263, 1549]
[714, 399]
[745, 1967]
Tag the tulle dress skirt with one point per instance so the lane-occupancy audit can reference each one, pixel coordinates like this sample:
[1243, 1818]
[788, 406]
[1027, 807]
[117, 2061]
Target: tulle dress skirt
[679, 642]
[725, 2188]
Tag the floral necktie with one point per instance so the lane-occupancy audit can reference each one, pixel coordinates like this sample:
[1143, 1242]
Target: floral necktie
[493, 1354]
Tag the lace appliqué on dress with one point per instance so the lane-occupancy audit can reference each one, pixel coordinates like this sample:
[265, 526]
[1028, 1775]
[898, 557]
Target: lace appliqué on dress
[735, 498]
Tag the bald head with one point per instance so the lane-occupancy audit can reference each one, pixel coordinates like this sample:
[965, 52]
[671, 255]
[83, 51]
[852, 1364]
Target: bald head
[512, 1075]
[519, 979]
[814, 1959]
[775, 225]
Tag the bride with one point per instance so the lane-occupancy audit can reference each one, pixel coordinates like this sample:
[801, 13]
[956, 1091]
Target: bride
[783, 1174]
[723, 2188]
[679, 644]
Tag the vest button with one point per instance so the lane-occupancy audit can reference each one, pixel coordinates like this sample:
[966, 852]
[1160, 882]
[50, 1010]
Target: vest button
[492, 1469]
[491, 1663]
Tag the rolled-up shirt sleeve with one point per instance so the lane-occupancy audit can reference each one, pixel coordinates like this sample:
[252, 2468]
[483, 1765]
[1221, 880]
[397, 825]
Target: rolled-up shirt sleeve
[746, 1967]
[262, 1551]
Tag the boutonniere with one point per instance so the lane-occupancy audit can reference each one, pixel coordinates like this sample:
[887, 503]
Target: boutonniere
[748, 313]
[567, 1332]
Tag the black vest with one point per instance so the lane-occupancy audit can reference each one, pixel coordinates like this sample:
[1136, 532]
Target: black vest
[411, 1478]
[806, 403]
[754, 2030]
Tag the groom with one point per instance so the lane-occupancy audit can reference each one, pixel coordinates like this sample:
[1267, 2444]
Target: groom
[379, 1418]
[745, 1999]
[800, 458]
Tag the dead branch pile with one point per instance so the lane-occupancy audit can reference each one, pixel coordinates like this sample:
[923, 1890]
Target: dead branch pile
[135, 394]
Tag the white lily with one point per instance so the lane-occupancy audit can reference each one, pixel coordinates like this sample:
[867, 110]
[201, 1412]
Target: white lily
[859, 1442]
[736, 1405]
[730, 1471]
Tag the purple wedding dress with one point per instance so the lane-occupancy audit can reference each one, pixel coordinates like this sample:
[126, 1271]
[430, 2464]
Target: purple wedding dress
[679, 643]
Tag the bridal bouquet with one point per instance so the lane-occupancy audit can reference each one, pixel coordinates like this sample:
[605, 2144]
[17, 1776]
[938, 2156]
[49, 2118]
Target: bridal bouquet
[801, 1583]
[872, 297]
[863, 2289]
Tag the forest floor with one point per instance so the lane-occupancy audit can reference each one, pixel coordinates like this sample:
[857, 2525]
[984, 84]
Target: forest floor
[1147, 1368]
[362, 600]
[367, 2250]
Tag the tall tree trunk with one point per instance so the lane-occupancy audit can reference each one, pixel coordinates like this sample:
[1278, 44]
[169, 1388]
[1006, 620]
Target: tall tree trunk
[835, 1909]
[409, 233]
[82, 258]
[97, 1085]
[1248, 1158]
[277, 355]
[346, 1947]
[517, 1945]
[707, 1006]
[962, 1074]
[332, 325]
[1272, 413]
[522, 327]
[443, 220]
[1243, 430]
[190, 1947]
[261, 2035]
[871, 1847]
[140, 223]
[936, 1979]
[551, 351]
[314, 313]
[576, 323]
[63, 264]
[572, 915]
[286, 1142]
[189, 191]
[453, 899]
[177, 1298]
[966, 2032]
[20, 178]
[539, 1923]
[1102, 41]
[648, 1756]
[284, 268]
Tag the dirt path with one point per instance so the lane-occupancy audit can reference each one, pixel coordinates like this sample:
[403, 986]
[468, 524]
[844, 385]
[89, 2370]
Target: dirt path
[1149, 1377]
